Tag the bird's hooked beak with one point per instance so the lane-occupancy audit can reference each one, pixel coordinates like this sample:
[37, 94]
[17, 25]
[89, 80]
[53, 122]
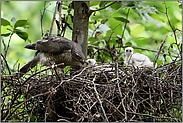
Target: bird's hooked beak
[83, 61]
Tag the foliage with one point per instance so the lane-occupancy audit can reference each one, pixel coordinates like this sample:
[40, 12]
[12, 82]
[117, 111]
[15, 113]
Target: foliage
[17, 23]
[147, 28]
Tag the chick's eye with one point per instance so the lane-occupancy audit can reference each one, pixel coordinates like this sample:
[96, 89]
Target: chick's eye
[78, 57]
[126, 50]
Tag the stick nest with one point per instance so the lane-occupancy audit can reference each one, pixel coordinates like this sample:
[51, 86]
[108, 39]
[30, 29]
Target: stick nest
[99, 93]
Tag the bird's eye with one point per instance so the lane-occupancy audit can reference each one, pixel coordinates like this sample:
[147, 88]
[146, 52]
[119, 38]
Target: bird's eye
[77, 56]
[126, 50]
[130, 50]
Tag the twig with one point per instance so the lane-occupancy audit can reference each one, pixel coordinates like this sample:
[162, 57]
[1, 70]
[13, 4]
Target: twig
[124, 108]
[66, 24]
[105, 49]
[42, 71]
[170, 23]
[117, 74]
[109, 36]
[106, 119]
[6, 64]
[124, 28]
[100, 48]
[151, 115]
[159, 51]
[4, 45]
[42, 15]
[70, 79]
[60, 16]
[91, 11]
[5, 52]
[65, 20]
[116, 108]
[19, 90]
[23, 103]
[94, 32]
[53, 20]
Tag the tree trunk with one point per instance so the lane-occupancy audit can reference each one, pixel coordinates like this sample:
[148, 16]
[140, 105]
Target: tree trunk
[80, 24]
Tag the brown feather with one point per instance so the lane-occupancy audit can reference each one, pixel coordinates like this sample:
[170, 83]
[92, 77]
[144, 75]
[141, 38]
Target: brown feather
[54, 50]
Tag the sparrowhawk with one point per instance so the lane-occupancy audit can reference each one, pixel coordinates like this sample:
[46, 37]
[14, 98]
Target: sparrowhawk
[54, 50]
[137, 59]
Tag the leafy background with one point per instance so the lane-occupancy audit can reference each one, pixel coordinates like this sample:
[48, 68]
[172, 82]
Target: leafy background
[147, 28]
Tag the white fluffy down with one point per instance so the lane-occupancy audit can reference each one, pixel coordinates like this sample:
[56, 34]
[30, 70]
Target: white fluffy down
[137, 59]
[90, 62]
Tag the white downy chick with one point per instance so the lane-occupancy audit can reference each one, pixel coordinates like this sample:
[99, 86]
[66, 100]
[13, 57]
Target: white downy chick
[90, 62]
[137, 59]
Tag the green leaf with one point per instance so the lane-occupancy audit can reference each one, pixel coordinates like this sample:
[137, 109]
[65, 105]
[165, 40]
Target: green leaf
[21, 34]
[130, 3]
[122, 19]
[6, 34]
[20, 23]
[156, 17]
[102, 3]
[137, 30]
[13, 20]
[104, 21]
[33, 118]
[9, 29]
[180, 6]
[94, 3]
[4, 22]
[128, 44]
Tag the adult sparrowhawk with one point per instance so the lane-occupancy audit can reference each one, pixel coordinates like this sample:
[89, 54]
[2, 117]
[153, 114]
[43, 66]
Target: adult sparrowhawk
[54, 50]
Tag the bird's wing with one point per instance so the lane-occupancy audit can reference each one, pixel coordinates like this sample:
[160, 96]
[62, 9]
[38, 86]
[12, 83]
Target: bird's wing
[140, 59]
[53, 44]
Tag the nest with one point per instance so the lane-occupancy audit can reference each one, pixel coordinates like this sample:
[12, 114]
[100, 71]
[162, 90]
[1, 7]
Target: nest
[104, 92]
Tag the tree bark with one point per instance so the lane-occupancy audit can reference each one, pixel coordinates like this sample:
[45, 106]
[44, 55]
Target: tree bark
[80, 24]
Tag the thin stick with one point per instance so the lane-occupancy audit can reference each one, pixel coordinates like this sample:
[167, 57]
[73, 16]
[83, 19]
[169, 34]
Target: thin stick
[106, 119]
[170, 23]
[23, 103]
[6, 64]
[91, 11]
[159, 51]
[117, 75]
[42, 15]
[60, 16]
[41, 71]
[5, 53]
[53, 20]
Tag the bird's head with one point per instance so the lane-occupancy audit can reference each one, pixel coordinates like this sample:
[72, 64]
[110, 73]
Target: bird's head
[79, 57]
[77, 53]
[128, 51]
[90, 62]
